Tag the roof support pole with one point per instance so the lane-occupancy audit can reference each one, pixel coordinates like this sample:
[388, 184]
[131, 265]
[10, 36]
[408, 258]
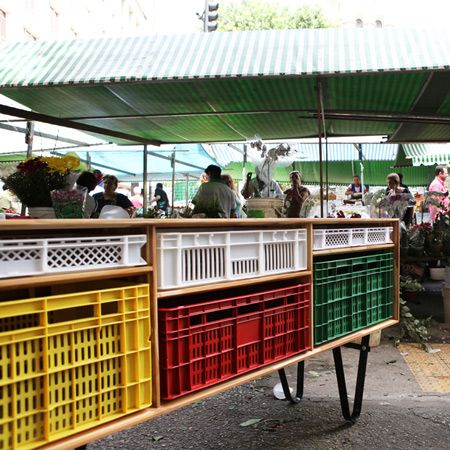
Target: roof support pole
[145, 179]
[187, 190]
[172, 163]
[319, 127]
[29, 141]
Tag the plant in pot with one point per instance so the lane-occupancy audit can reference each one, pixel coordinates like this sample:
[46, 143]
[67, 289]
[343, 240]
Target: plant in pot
[35, 178]
[410, 287]
[418, 235]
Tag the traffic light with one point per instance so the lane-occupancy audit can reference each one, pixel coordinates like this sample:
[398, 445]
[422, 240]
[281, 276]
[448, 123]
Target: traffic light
[211, 15]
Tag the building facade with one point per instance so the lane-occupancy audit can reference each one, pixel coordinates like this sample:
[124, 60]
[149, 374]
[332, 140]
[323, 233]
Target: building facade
[62, 19]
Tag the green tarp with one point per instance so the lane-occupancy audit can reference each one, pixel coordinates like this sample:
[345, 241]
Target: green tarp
[221, 87]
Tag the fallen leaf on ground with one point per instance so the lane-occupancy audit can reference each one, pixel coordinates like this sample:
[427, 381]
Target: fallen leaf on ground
[250, 422]
[157, 438]
[313, 373]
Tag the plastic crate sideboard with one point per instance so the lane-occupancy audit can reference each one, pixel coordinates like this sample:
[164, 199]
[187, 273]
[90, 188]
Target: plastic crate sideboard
[352, 293]
[351, 237]
[211, 256]
[204, 343]
[40, 256]
[72, 362]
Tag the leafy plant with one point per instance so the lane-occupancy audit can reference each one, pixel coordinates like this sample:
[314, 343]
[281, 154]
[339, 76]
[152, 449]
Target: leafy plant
[412, 328]
[410, 284]
[36, 177]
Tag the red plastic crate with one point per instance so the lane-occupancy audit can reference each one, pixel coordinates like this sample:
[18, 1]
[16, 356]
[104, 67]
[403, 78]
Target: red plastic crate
[205, 343]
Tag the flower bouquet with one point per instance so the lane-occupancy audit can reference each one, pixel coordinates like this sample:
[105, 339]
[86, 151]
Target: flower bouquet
[36, 177]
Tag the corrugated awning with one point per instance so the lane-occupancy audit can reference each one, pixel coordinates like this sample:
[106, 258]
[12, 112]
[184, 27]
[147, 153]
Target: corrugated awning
[422, 155]
[208, 87]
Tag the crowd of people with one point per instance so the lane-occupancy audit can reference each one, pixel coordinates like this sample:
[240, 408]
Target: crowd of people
[218, 196]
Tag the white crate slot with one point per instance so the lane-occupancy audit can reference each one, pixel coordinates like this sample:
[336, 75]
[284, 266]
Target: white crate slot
[40, 256]
[351, 237]
[209, 256]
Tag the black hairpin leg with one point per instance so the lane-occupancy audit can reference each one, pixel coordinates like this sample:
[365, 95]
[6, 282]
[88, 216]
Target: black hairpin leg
[300, 383]
[364, 349]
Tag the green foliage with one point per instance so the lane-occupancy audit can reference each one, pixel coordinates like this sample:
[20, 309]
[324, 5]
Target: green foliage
[410, 284]
[266, 15]
[412, 328]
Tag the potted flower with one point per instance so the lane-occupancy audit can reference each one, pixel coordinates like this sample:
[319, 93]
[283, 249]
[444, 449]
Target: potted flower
[409, 287]
[36, 177]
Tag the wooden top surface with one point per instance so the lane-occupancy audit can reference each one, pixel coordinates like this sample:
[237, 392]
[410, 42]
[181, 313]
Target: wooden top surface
[48, 224]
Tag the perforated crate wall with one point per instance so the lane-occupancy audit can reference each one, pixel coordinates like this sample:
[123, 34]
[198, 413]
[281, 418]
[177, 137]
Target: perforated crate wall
[351, 237]
[204, 343]
[71, 362]
[37, 256]
[351, 294]
[210, 256]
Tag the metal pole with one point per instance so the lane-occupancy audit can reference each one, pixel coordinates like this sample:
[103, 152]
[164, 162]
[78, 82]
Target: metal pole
[29, 141]
[173, 182]
[326, 172]
[205, 17]
[361, 164]
[145, 180]
[187, 189]
[319, 126]
[88, 161]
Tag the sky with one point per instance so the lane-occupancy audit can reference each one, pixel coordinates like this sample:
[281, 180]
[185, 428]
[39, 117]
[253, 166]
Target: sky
[180, 15]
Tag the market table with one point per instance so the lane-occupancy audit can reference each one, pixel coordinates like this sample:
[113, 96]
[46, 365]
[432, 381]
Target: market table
[108, 323]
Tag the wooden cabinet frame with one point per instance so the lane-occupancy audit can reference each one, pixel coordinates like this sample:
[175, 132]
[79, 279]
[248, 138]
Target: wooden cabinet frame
[148, 273]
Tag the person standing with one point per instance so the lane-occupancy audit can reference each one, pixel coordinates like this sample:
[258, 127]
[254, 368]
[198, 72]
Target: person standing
[257, 187]
[295, 196]
[88, 181]
[161, 198]
[228, 180]
[214, 198]
[438, 185]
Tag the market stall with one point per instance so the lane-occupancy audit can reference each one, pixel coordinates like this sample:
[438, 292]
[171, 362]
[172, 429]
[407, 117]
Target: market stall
[106, 314]
[105, 324]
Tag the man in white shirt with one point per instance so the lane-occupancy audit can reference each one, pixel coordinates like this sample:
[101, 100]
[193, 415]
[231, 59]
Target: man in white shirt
[256, 187]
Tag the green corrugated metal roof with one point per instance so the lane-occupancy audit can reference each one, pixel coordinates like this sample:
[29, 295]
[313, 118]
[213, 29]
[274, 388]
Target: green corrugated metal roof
[208, 87]
[422, 155]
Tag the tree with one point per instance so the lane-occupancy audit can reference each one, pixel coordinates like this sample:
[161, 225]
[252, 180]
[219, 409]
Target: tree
[267, 15]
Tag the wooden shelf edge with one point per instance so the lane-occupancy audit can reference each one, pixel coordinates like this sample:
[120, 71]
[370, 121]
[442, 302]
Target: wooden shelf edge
[361, 248]
[70, 277]
[151, 413]
[231, 284]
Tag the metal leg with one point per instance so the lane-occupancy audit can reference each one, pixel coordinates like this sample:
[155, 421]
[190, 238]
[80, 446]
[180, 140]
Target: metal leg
[340, 376]
[83, 447]
[300, 383]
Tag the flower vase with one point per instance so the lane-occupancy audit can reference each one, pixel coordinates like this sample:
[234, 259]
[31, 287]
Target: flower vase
[41, 212]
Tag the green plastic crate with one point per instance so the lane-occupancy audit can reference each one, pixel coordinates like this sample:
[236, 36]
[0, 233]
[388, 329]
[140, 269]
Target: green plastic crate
[351, 294]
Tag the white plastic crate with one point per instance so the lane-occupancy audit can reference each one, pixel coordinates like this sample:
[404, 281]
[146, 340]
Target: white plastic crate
[39, 256]
[209, 256]
[351, 237]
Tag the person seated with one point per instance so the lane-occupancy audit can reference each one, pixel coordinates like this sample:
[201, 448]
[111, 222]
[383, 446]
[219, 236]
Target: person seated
[257, 187]
[111, 197]
[87, 181]
[295, 195]
[214, 199]
[354, 190]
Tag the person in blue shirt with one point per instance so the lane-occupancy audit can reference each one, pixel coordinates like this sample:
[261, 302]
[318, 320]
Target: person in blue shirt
[355, 189]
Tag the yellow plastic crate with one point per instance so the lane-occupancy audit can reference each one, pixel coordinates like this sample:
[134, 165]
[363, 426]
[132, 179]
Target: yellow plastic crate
[71, 362]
